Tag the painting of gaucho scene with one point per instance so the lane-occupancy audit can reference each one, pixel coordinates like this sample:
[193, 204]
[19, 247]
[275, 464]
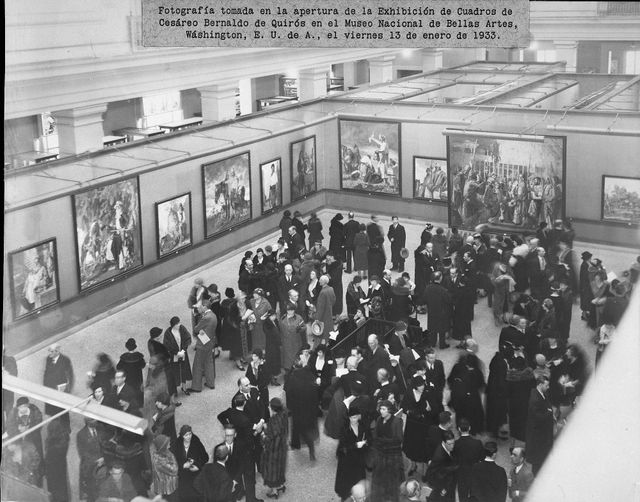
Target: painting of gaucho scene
[34, 278]
[173, 218]
[621, 199]
[508, 184]
[108, 231]
[227, 193]
[369, 156]
[271, 184]
[303, 167]
[430, 179]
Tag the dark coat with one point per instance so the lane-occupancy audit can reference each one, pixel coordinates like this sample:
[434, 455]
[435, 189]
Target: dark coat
[214, 484]
[351, 228]
[89, 450]
[375, 261]
[351, 459]
[466, 381]
[373, 232]
[314, 227]
[441, 475]
[284, 286]
[399, 236]
[284, 225]
[334, 271]
[336, 238]
[181, 369]
[302, 400]
[56, 374]
[353, 297]
[540, 424]
[435, 377]
[488, 482]
[361, 245]
[373, 361]
[186, 477]
[421, 414]
[467, 451]
[497, 396]
[439, 308]
[300, 227]
[253, 407]
[132, 363]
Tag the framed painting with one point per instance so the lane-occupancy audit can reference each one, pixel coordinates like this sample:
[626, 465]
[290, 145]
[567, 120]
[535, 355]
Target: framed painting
[303, 168]
[173, 224]
[430, 179]
[621, 199]
[108, 233]
[33, 273]
[271, 185]
[227, 193]
[370, 156]
[508, 184]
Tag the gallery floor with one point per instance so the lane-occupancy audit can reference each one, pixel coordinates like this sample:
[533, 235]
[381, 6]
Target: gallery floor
[312, 481]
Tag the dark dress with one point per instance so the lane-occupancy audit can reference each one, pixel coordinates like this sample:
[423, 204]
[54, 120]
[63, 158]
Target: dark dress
[260, 378]
[520, 381]
[497, 397]
[376, 261]
[274, 452]
[388, 470]
[336, 238]
[466, 381]
[351, 459]
[360, 248]
[231, 329]
[186, 477]
[132, 363]
[302, 400]
[56, 447]
[420, 415]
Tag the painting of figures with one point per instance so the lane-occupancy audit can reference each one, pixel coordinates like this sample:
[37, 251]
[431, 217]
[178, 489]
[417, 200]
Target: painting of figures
[34, 278]
[107, 221]
[271, 185]
[621, 199]
[303, 168]
[370, 156]
[509, 184]
[430, 179]
[173, 220]
[227, 193]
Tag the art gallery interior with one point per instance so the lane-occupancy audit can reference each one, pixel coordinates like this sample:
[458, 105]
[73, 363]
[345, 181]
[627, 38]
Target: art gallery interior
[144, 126]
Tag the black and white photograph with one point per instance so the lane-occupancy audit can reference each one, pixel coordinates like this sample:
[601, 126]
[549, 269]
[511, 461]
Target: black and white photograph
[304, 178]
[511, 184]
[173, 224]
[227, 193]
[430, 179]
[34, 278]
[621, 199]
[271, 185]
[108, 234]
[370, 156]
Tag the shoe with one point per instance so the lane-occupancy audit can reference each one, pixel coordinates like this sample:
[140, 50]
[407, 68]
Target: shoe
[186, 391]
[443, 346]
[240, 366]
[272, 495]
[275, 383]
[178, 403]
[193, 390]
[282, 489]
[312, 457]
[210, 386]
[294, 447]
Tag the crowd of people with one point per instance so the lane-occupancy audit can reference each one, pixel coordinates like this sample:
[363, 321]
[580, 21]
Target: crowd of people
[382, 391]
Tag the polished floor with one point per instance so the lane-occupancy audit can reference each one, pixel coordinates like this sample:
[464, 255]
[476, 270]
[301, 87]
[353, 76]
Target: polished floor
[311, 481]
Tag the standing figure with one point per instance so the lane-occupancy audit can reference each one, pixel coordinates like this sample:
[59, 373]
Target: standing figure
[177, 340]
[58, 375]
[274, 453]
[352, 446]
[540, 424]
[204, 361]
[398, 238]
[55, 459]
[388, 471]
[466, 382]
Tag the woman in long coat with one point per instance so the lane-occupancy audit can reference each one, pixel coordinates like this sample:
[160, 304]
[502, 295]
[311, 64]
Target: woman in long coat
[260, 307]
[388, 470]
[360, 248]
[179, 366]
[352, 447]
[520, 381]
[336, 236]
[190, 455]
[314, 227]
[504, 284]
[231, 326]
[293, 334]
[466, 381]
[164, 467]
[273, 357]
[55, 458]
[274, 452]
[497, 397]
[259, 377]
[376, 258]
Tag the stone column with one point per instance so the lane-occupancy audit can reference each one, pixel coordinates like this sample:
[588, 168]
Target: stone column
[219, 101]
[80, 129]
[381, 69]
[431, 59]
[312, 83]
[567, 50]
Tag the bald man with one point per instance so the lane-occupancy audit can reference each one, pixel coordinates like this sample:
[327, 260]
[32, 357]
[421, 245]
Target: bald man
[58, 375]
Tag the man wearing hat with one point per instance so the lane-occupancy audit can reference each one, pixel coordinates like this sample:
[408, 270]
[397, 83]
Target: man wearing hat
[398, 238]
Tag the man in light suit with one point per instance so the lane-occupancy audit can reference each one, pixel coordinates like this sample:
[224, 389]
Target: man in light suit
[520, 477]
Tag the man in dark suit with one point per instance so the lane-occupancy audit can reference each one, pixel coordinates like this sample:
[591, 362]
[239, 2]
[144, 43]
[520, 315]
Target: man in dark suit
[441, 473]
[286, 282]
[398, 238]
[374, 230]
[376, 357]
[468, 451]
[89, 445]
[254, 408]
[214, 482]
[58, 375]
[520, 476]
[351, 228]
[439, 310]
[540, 422]
[434, 373]
[122, 391]
[295, 242]
[539, 272]
[399, 340]
[511, 337]
[488, 480]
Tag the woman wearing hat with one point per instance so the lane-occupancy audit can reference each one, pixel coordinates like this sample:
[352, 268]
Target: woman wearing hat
[177, 340]
[293, 333]
[336, 236]
[260, 307]
[190, 456]
[388, 469]
[360, 248]
[164, 467]
[275, 447]
[314, 227]
[352, 447]
[132, 363]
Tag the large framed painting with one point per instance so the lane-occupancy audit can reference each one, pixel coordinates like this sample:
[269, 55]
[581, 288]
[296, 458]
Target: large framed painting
[303, 168]
[227, 193]
[370, 156]
[271, 185]
[621, 199]
[108, 232]
[509, 184]
[430, 179]
[173, 224]
[33, 273]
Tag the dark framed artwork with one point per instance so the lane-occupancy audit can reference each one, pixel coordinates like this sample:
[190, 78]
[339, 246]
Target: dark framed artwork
[509, 184]
[108, 232]
[621, 199]
[33, 273]
[303, 168]
[173, 224]
[227, 193]
[271, 185]
[430, 179]
[370, 156]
